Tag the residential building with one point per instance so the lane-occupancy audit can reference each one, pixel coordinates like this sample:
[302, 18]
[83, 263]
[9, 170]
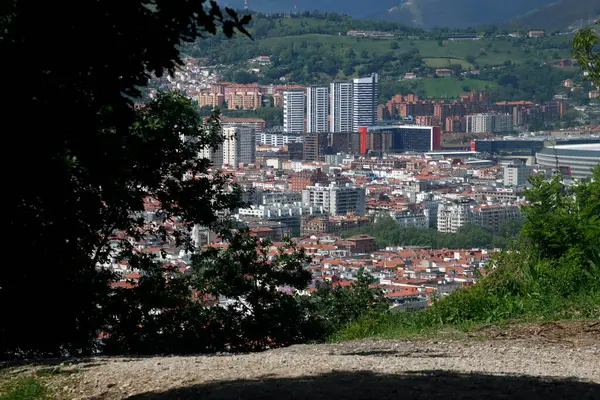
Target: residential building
[317, 109]
[534, 33]
[239, 145]
[491, 217]
[516, 175]
[410, 218]
[293, 111]
[340, 106]
[488, 122]
[365, 99]
[335, 199]
[302, 180]
[258, 124]
[452, 215]
[362, 243]
[243, 97]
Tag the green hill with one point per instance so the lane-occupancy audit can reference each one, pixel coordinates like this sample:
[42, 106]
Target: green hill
[559, 15]
[316, 49]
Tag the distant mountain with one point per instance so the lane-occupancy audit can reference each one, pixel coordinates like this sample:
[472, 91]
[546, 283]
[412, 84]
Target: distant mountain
[559, 15]
[458, 13]
[547, 14]
[354, 8]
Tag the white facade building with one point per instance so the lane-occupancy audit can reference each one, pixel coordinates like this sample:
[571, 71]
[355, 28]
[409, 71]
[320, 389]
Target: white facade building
[278, 139]
[317, 109]
[239, 145]
[453, 215]
[364, 101]
[489, 122]
[336, 200]
[340, 106]
[293, 111]
[411, 219]
[516, 175]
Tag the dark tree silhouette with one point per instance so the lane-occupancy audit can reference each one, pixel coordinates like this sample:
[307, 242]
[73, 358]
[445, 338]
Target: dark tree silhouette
[86, 158]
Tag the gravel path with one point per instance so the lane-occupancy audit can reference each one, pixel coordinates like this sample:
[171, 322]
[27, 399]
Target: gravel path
[553, 361]
[357, 370]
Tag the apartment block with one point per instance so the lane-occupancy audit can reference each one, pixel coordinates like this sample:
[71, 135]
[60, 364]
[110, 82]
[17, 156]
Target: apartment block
[317, 109]
[335, 199]
[489, 122]
[340, 106]
[239, 145]
[452, 215]
[294, 104]
[365, 99]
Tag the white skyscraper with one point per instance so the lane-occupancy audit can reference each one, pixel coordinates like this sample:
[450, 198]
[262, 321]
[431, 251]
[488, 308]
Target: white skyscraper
[239, 145]
[317, 109]
[365, 101]
[341, 106]
[293, 111]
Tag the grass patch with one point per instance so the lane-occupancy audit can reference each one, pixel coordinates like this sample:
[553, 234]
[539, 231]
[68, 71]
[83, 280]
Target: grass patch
[469, 309]
[485, 52]
[25, 388]
[453, 87]
[446, 62]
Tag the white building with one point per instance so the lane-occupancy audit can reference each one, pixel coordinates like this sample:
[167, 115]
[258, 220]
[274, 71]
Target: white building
[293, 111]
[278, 139]
[364, 101]
[317, 109]
[453, 215]
[516, 175]
[405, 219]
[336, 200]
[489, 122]
[340, 106]
[239, 145]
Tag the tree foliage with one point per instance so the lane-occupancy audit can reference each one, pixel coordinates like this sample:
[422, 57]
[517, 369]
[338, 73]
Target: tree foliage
[585, 50]
[93, 158]
[337, 306]
[388, 233]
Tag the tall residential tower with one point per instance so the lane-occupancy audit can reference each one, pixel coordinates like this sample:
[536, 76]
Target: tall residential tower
[340, 106]
[365, 101]
[293, 111]
[317, 109]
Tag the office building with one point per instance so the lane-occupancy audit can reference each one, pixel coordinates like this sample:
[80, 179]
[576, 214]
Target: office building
[340, 106]
[365, 99]
[239, 145]
[293, 111]
[315, 146]
[382, 139]
[317, 109]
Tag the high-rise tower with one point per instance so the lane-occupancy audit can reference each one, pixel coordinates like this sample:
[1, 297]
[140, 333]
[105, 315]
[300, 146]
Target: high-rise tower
[340, 106]
[317, 109]
[293, 111]
[364, 101]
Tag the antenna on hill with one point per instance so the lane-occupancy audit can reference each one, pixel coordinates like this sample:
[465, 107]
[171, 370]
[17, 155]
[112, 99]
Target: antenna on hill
[245, 4]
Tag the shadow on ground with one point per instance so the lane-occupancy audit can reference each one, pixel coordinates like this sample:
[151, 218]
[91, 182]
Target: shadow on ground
[367, 385]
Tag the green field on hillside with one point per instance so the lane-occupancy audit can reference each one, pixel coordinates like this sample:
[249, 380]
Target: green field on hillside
[446, 62]
[453, 87]
[484, 52]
